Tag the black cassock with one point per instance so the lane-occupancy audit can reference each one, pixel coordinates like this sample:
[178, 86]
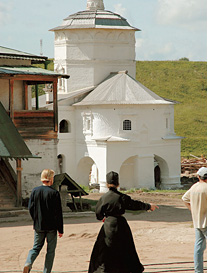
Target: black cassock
[114, 250]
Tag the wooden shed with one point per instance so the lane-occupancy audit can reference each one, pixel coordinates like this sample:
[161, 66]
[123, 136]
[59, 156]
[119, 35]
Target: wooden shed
[73, 189]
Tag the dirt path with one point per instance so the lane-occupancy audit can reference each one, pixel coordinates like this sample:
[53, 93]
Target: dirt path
[166, 235]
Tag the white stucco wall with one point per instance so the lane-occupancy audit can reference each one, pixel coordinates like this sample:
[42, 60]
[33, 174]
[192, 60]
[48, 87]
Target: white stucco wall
[134, 158]
[4, 93]
[18, 94]
[66, 143]
[32, 168]
[145, 119]
[90, 55]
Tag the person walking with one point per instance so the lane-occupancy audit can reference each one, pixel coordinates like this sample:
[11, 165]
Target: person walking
[46, 212]
[195, 200]
[114, 250]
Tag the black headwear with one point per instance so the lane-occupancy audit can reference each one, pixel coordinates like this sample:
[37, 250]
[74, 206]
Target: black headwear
[112, 178]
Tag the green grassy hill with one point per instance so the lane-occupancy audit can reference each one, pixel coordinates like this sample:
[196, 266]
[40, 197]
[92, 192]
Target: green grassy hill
[185, 82]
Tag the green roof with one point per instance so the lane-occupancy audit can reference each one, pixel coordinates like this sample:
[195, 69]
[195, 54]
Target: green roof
[28, 70]
[10, 53]
[12, 144]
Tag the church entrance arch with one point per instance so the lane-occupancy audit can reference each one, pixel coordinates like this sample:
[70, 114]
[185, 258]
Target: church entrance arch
[157, 175]
[127, 173]
[87, 171]
[160, 170]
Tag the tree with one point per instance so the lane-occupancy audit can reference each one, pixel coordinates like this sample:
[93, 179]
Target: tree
[184, 59]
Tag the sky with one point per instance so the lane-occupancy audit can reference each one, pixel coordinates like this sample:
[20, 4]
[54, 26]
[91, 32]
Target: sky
[170, 29]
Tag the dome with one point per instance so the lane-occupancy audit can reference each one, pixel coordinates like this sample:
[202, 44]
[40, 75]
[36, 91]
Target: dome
[95, 18]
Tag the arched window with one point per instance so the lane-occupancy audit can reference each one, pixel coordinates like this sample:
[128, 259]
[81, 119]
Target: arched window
[60, 163]
[126, 124]
[64, 126]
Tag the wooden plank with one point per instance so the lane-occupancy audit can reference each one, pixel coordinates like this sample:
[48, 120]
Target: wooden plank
[19, 186]
[25, 96]
[34, 122]
[11, 99]
[28, 78]
[38, 134]
[74, 203]
[80, 200]
[34, 113]
[55, 103]
[71, 191]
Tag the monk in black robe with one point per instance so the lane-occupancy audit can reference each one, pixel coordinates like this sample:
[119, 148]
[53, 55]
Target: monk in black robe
[114, 250]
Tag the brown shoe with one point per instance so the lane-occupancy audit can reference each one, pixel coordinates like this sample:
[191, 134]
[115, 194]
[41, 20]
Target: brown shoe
[26, 269]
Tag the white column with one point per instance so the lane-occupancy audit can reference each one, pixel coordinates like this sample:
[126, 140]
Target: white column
[144, 171]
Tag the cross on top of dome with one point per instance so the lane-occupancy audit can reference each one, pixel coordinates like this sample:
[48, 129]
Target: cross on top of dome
[95, 5]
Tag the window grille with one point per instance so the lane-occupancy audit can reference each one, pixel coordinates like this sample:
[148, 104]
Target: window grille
[126, 124]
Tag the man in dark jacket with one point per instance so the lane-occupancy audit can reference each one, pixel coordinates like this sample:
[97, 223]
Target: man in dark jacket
[46, 212]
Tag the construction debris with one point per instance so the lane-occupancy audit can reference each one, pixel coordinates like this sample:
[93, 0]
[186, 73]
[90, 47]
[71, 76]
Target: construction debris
[189, 168]
[192, 165]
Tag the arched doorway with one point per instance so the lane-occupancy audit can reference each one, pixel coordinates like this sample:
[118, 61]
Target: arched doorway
[61, 163]
[94, 174]
[157, 176]
[87, 171]
[160, 170]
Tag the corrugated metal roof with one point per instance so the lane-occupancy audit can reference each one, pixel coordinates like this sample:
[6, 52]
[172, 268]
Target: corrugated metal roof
[120, 88]
[12, 144]
[29, 70]
[61, 97]
[94, 19]
[10, 53]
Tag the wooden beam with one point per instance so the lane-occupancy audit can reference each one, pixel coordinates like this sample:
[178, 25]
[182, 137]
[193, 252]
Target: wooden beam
[37, 96]
[25, 96]
[11, 99]
[34, 114]
[80, 200]
[19, 186]
[55, 104]
[35, 78]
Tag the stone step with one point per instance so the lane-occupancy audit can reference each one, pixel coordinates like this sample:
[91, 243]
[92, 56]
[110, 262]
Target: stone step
[13, 212]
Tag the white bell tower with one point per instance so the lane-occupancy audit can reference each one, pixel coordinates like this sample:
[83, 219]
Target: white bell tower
[95, 5]
[92, 43]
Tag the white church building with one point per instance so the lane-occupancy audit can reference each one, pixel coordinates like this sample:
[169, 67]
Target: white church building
[108, 121]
